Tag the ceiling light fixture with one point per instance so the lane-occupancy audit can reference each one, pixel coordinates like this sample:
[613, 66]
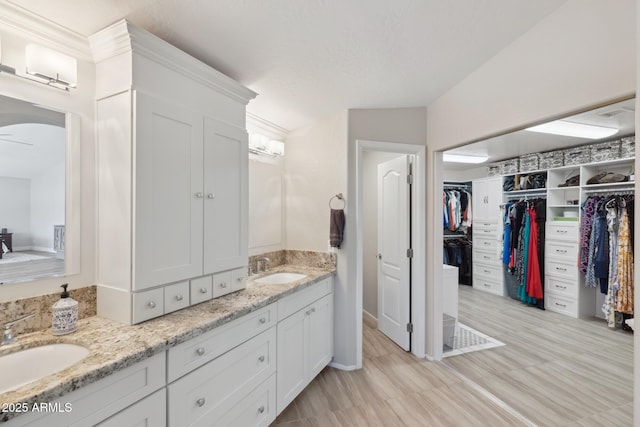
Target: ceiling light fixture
[51, 67]
[463, 158]
[578, 130]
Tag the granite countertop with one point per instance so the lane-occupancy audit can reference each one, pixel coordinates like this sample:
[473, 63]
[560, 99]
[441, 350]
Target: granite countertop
[114, 346]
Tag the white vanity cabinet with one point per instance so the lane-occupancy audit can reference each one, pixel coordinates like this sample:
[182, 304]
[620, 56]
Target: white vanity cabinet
[305, 339]
[172, 175]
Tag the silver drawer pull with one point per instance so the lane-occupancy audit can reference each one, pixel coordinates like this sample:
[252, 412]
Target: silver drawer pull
[198, 195]
[562, 231]
[263, 320]
[261, 410]
[210, 196]
[151, 304]
[486, 231]
[200, 351]
[313, 310]
[487, 243]
[561, 287]
[203, 290]
[308, 312]
[240, 279]
[200, 402]
[486, 285]
[179, 297]
[561, 269]
[223, 284]
[261, 358]
[561, 251]
[561, 305]
[486, 257]
[487, 271]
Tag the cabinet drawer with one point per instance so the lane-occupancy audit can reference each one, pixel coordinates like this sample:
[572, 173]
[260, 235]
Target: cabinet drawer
[486, 257]
[292, 303]
[144, 413]
[485, 229]
[222, 284]
[189, 355]
[561, 250]
[239, 278]
[200, 289]
[566, 288]
[561, 305]
[176, 297]
[555, 231]
[561, 269]
[487, 285]
[257, 409]
[486, 244]
[148, 304]
[202, 396]
[487, 270]
[485, 224]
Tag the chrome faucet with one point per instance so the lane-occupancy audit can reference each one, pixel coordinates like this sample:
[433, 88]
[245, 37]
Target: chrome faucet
[265, 264]
[7, 336]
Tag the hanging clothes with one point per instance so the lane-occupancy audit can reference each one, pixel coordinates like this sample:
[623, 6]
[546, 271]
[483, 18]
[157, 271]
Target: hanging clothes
[458, 252]
[456, 210]
[624, 299]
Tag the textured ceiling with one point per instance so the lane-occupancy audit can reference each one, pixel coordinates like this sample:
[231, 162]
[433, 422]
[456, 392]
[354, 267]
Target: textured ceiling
[308, 59]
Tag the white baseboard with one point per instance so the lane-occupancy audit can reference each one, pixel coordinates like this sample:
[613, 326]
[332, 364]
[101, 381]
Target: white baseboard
[343, 367]
[370, 316]
[41, 249]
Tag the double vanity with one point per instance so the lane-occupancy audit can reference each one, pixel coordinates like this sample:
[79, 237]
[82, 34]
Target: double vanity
[235, 360]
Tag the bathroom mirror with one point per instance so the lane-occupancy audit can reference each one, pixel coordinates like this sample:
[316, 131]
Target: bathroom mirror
[35, 185]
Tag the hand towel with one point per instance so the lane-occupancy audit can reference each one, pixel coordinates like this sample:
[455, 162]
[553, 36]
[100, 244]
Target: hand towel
[336, 227]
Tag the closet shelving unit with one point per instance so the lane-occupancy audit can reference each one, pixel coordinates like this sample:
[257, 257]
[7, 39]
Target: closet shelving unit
[565, 292]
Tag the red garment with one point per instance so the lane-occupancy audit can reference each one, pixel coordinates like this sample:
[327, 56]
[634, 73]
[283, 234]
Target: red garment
[534, 282]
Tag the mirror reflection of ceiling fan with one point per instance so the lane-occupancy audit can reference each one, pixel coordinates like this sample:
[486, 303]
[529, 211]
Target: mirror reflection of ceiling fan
[13, 141]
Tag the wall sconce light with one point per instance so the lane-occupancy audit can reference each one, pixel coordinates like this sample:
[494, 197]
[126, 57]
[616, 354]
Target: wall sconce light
[51, 67]
[260, 144]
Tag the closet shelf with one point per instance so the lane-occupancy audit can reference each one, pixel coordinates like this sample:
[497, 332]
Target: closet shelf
[564, 206]
[629, 185]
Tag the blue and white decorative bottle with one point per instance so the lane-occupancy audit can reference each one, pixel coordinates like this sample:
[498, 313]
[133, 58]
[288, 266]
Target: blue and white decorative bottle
[65, 314]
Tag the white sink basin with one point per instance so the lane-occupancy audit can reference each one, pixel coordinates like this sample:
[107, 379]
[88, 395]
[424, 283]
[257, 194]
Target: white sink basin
[280, 278]
[32, 364]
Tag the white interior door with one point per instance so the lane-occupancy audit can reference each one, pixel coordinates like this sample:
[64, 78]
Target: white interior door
[394, 287]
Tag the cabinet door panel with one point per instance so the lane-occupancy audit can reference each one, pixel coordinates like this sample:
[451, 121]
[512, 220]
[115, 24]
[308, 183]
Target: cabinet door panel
[320, 335]
[226, 193]
[168, 193]
[292, 358]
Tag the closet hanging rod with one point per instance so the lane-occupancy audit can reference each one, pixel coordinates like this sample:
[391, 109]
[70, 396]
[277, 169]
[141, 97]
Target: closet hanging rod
[610, 192]
[534, 194]
[456, 185]
[455, 236]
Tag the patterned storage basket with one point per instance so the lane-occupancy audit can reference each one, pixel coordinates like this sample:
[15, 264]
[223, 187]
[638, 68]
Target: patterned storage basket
[509, 166]
[605, 151]
[577, 155]
[494, 169]
[628, 147]
[528, 163]
[551, 159]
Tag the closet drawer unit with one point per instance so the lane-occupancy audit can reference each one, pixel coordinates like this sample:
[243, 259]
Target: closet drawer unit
[561, 304]
[560, 287]
[561, 250]
[561, 270]
[485, 284]
[488, 271]
[202, 396]
[556, 231]
[191, 354]
[484, 227]
[486, 257]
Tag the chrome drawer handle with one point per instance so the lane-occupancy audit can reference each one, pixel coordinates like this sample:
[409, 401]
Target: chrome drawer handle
[200, 402]
[561, 251]
[200, 351]
[240, 279]
[210, 196]
[486, 231]
[487, 271]
[203, 290]
[561, 269]
[487, 243]
[223, 284]
[198, 195]
[561, 305]
[179, 297]
[486, 285]
[263, 320]
[151, 304]
[486, 257]
[561, 231]
[261, 409]
[561, 287]
[261, 358]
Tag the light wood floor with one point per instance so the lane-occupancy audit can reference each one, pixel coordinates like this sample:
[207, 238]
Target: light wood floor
[30, 270]
[553, 371]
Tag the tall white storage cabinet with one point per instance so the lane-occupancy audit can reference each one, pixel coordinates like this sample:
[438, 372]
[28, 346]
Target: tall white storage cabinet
[487, 235]
[172, 177]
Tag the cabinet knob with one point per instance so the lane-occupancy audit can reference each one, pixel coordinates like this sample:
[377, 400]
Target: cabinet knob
[210, 196]
[261, 358]
[200, 351]
[198, 195]
[261, 409]
[179, 297]
[263, 320]
[151, 304]
[223, 284]
[203, 290]
[200, 402]
[313, 309]
[240, 279]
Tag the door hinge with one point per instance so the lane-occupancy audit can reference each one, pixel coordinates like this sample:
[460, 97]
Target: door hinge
[410, 327]
[409, 253]
[410, 179]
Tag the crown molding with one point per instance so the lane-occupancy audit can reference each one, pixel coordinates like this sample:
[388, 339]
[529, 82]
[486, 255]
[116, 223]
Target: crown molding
[16, 19]
[123, 36]
[266, 127]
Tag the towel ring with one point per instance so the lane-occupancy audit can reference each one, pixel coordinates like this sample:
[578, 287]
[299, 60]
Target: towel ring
[338, 196]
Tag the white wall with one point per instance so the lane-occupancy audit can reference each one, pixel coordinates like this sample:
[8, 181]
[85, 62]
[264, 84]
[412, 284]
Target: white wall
[582, 55]
[370, 228]
[465, 175]
[15, 210]
[16, 31]
[47, 206]
[266, 199]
